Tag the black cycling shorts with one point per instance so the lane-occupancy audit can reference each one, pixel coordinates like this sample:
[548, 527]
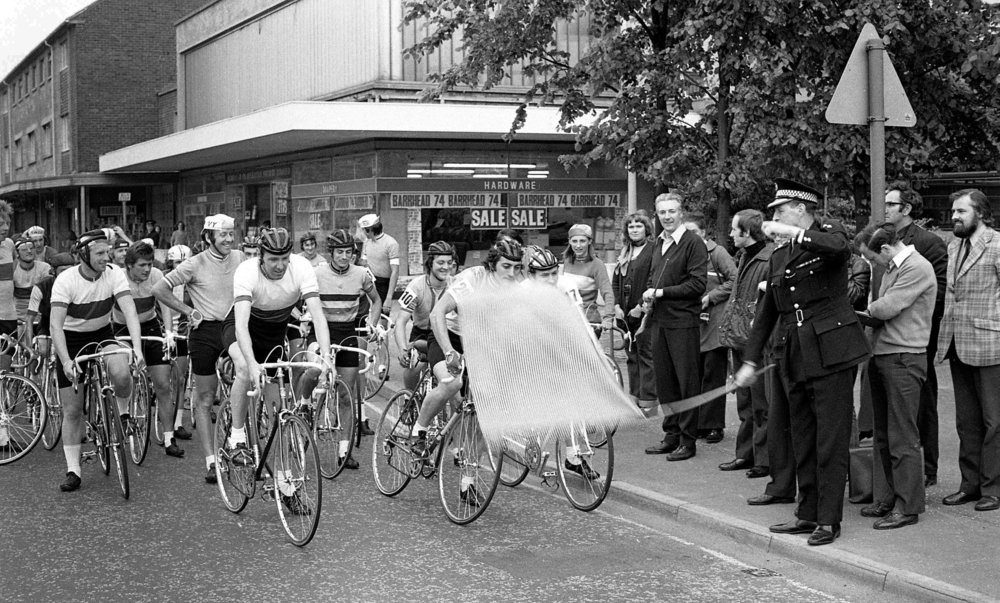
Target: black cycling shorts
[434, 352]
[264, 336]
[75, 341]
[205, 347]
[152, 351]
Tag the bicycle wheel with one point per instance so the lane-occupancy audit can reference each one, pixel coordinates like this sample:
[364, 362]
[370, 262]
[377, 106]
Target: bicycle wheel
[468, 469]
[118, 443]
[379, 371]
[391, 458]
[22, 417]
[53, 405]
[333, 426]
[298, 488]
[236, 482]
[512, 472]
[586, 468]
[99, 419]
[140, 409]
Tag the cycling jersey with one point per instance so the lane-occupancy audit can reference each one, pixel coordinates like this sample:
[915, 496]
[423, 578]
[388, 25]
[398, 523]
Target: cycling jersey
[142, 294]
[273, 300]
[589, 278]
[419, 298]
[8, 311]
[41, 296]
[462, 286]
[340, 294]
[25, 281]
[208, 279]
[381, 253]
[88, 302]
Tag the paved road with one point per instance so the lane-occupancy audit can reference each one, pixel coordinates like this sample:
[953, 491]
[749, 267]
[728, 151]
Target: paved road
[174, 540]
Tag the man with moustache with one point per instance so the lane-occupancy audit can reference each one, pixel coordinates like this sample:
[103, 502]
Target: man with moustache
[969, 341]
[678, 277]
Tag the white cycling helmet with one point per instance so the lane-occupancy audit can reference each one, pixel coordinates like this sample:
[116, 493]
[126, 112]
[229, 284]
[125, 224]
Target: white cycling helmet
[178, 253]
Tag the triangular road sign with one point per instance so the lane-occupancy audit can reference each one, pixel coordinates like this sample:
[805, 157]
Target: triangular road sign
[849, 104]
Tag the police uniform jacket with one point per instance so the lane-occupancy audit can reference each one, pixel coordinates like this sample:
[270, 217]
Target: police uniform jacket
[818, 332]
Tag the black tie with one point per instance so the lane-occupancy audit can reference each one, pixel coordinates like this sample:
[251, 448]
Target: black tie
[966, 247]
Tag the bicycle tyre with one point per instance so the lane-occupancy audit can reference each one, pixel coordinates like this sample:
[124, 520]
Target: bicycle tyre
[23, 414]
[376, 376]
[102, 436]
[333, 427]
[583, 493]
[458, 468]
[117, 444]
[391, 462]
[296, 467]
[513, 472]
[140, 408]
[613, 364]
[53, 406]
[231, 478]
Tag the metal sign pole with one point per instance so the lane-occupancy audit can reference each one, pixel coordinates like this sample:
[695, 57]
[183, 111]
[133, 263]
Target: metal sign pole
[876, 128]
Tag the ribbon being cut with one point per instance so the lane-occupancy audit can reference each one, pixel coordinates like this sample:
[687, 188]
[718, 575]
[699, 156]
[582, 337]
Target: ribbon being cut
[534, 365]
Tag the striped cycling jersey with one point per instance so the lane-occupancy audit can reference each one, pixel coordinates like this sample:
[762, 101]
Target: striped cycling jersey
[88, 302]
[273, 300]
[340, 294]
[208, 279]
[8, 310]
[419, 298]
[589, 279]
[142, 294]
[24, 282]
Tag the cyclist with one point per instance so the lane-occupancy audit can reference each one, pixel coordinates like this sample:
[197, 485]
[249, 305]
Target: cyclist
[39, 304]
[341, 287]
[265, 290]
[179, 324]
[381, 254]
[142, 276]
[416, 303]
[208, 279]
[28, 272]
[8, 310]
[36, 234]
[588, 276]
[310, 251]
[82, 298]
[543, 265]
[118, 249]
[249, 247]
[502, 268]
[296, 341]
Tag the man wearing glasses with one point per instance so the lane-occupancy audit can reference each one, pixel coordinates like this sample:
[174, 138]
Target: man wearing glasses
[381, 254]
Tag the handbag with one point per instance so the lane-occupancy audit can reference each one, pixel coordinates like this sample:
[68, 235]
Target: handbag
[735, 328]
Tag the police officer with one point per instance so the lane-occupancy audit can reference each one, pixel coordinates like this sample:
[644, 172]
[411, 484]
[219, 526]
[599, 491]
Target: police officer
[818, 340]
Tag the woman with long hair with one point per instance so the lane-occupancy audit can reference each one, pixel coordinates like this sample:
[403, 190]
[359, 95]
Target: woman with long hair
[587, 275]
[629, 280]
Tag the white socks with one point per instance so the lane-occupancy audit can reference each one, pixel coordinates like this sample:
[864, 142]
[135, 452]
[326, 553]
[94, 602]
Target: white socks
[72, 453]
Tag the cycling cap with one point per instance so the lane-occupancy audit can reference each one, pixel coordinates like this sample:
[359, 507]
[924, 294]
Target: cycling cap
[511, 250]
[577, 230]
[148, 241]
[61, 259]
[249, 243]
[178, 253]
[120, 244]
[542, 259]
[22, 240]
[275, 240]
[368, 220]
[219, 222]
[308, 236]
[339, 239]
[34, 231]
[440, 248]
[90, 237]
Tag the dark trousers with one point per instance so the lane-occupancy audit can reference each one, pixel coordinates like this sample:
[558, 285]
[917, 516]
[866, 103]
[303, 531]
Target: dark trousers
[675, 358]
[896, 382]
[977, 418]
[927, 415]
[751, 406]
[779, 440]
[639, 361]
[382, 288]
[820, 412]
[714, 369]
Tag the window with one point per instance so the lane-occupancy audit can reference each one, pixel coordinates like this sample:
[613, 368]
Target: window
[17, 154]
[33, 78]
[63, 134]
[61, 62]
[32, 150]
[46, 141]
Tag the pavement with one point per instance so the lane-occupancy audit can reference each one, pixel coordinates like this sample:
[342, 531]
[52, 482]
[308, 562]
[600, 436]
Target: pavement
[952, 554]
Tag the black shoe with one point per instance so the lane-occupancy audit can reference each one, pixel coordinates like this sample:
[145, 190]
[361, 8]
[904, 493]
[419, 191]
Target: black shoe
[895, 520]
[758, 471]
[988, 503]
[960, 498]
[714, 436]
[878, 509]
[210, 477]
[582, 469]
[664, 446]
[174, 450]
[767, 499]
[72, 482]
[471, 497]
[824, 535]
[240, 455]
[795, 526]
[735, 465]
[296, 505]
[682, 453]
[182, 434]
[350, 463]
[364, 430]
[930, 480]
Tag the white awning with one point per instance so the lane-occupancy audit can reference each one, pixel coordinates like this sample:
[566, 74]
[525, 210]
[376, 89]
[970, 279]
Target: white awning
[299, 126]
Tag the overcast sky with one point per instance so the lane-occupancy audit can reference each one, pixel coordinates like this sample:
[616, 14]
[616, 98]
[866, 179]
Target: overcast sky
[25, 23]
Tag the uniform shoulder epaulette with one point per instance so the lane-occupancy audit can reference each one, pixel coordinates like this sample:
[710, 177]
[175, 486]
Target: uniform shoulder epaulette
[827, 226]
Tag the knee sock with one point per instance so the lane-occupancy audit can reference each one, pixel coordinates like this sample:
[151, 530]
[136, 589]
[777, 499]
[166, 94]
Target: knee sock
[72, 453]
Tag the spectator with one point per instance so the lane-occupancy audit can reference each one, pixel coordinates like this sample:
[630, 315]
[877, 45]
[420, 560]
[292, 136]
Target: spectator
[751, 402]
[678, 277]
[587, 276]
[179, 235]
[969, 342]
[819, 342]
[153, 232]
[859, 279]
[714, 357]
[628, 282]
[902, 206]
[897, 371]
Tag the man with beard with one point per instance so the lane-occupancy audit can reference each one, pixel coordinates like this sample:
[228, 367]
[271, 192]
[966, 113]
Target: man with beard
[968, 340]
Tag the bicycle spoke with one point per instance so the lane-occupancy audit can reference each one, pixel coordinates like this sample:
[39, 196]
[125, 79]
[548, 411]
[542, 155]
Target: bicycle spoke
[298, 488]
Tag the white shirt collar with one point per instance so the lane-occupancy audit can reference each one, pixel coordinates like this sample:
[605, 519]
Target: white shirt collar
[900, 257]
[676, 235]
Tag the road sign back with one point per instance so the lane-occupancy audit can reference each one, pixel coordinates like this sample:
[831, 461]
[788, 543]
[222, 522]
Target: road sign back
[849, 104]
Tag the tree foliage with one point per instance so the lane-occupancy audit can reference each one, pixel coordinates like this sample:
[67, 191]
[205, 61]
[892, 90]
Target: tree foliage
[716, 97]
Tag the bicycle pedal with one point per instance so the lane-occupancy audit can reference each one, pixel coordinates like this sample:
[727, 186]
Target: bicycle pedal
[87, 457]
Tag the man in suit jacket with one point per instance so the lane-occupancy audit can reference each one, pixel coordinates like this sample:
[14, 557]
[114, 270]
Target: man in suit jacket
[677, 281]
[818, 343]
[970, 340]
[902, 205]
